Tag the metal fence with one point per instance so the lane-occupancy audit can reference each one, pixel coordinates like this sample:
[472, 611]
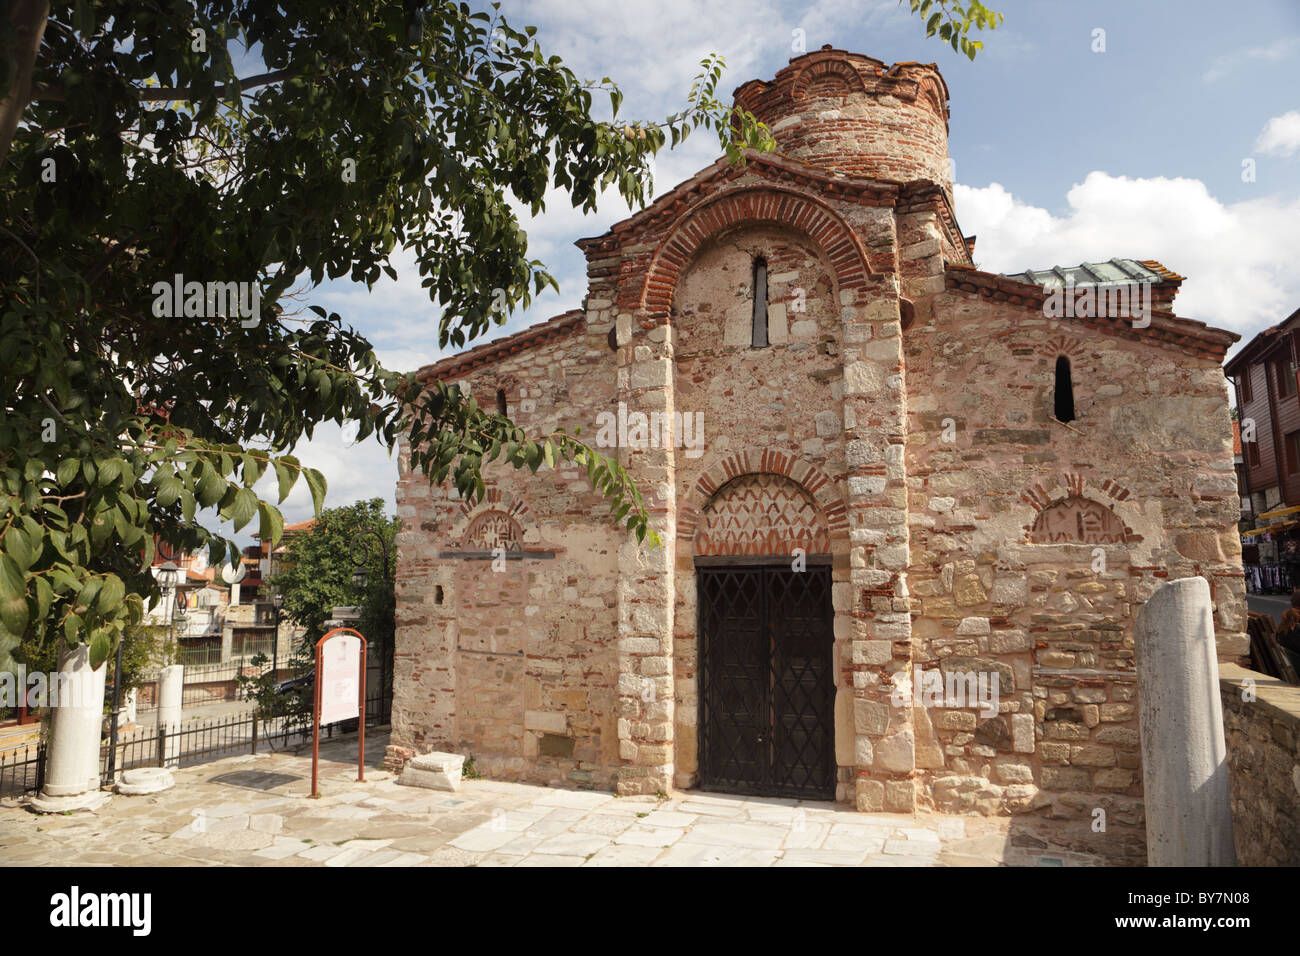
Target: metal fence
[197, 740]
[22, 769]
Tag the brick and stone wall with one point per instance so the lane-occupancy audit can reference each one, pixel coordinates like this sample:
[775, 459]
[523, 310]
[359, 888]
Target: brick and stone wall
[1263, 738]
[901, 415]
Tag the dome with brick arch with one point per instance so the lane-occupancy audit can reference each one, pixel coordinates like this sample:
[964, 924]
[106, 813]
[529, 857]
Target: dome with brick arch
[853, 114]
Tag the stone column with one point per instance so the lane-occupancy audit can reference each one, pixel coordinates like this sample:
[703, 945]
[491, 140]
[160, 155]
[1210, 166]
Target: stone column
[76, 727]
[646, 590]
[875, 430]
[171, 684]
[1184, 758]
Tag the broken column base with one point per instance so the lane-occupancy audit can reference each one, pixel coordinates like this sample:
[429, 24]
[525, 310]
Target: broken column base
[396, 758]
[435, 771]
[90, 800]
[145, 780]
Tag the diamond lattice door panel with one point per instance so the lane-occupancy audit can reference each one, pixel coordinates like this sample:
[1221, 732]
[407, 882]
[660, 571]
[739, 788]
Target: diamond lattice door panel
[766, 683]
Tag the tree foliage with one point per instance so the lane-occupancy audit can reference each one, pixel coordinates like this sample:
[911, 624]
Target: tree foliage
[315, 573]
[277, 145]
[274, 144]
[951, 21]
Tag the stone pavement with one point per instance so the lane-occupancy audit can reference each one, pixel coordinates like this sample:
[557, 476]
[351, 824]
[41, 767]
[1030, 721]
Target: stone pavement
[255, 811]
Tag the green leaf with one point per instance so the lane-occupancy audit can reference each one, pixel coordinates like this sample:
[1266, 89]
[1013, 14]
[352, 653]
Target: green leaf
[244, 508]
[169, 489]
[67, 471]
[210, 488]
[13, 596]
[110, 595]
[286, 477]
[19, 548]
[270, 524]
[316, 484]
[101, 646]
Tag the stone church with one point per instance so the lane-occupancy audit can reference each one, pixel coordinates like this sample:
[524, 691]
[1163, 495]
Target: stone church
[908, 508]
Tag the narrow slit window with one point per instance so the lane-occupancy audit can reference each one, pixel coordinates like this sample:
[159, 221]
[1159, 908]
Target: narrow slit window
[1064, 391]
[501, 401]
[760, 304]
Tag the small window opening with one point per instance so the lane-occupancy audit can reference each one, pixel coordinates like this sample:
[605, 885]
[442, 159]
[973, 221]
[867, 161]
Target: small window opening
[501, 401]
[760, 303]
[437, 594]
[1064, 391]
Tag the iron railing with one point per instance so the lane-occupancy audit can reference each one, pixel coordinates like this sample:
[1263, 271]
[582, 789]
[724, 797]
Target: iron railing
[197, 740]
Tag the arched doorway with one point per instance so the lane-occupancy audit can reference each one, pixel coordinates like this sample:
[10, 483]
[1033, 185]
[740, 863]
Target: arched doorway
[766, 660]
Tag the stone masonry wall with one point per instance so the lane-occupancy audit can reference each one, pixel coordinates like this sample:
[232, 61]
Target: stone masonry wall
[1033, 543]
[517, 665]
[903, 411]
[1263, 738]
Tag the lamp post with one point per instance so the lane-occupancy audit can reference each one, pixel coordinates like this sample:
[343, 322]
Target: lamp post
[167, 577]
[359, 550]
[277, 601]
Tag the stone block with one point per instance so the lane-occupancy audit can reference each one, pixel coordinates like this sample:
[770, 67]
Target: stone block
[434, 771]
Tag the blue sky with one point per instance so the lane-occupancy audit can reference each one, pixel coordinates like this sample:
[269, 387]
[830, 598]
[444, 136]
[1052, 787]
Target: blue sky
[1062, 154]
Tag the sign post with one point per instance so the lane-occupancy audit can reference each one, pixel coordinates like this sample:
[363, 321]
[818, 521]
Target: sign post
[340, 693]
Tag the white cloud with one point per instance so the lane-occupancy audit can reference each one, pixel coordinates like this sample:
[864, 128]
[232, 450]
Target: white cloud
[1237, 257]
[1277, 50]
[1281, 135]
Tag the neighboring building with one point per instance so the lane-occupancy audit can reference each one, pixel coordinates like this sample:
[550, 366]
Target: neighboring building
[891, 464]
[1264, 376]
[1263, 373]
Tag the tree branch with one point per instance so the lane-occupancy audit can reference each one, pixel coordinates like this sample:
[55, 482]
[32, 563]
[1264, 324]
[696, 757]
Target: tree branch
[27, 18]
[157, 94]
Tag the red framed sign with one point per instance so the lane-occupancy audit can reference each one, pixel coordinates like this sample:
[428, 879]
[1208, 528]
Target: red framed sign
[340, 693]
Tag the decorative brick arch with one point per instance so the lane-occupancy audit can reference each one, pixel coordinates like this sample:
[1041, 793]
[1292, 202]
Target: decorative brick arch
[763, 204]
[760, 461]
[491, 516]
[930, 91]
[1071, 514]
[818, 78]
[761, 514]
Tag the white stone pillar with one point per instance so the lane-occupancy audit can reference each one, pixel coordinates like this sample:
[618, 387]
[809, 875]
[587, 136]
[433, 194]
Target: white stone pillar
[1184, 758]
[76, 726]
[130, 706]
[171, 684]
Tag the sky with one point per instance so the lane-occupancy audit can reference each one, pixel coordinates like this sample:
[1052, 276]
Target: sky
[1147, 129]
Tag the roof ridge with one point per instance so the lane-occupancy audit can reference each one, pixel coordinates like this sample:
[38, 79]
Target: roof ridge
[498, 348]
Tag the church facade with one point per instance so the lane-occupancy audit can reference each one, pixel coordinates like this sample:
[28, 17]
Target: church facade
[909, 508]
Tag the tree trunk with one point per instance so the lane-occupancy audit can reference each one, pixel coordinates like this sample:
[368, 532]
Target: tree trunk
[27, 18]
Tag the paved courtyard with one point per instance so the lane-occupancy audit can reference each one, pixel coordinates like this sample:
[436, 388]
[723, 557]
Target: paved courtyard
[255, 811]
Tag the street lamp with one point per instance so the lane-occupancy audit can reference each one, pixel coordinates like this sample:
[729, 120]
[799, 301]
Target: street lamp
[277, 600]
[167, 577]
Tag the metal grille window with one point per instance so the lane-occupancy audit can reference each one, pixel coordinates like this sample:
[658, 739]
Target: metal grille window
[767, 687]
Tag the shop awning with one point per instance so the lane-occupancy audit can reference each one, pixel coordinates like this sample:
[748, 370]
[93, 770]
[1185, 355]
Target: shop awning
[1280, 526]
[1279, 512]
